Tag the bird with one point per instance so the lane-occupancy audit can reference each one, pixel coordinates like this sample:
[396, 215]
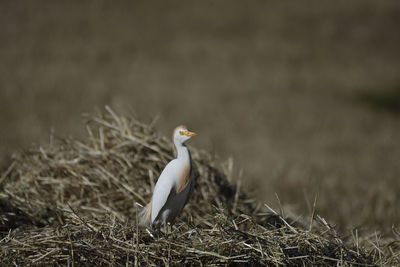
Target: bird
[174, 185]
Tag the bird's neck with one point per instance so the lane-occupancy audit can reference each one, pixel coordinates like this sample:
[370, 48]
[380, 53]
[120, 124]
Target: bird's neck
[182, 152]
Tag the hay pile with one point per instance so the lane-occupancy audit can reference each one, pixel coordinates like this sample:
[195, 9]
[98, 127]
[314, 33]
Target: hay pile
[74, 203]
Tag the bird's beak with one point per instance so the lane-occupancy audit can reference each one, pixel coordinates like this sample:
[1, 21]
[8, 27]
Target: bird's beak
[187, 133]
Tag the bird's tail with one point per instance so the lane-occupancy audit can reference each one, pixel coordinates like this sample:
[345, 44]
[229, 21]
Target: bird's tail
[145, 216]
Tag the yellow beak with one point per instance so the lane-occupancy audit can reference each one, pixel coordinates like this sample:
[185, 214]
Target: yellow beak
[187, 133]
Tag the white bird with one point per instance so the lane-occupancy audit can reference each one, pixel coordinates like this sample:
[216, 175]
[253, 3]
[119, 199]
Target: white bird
[174, 186]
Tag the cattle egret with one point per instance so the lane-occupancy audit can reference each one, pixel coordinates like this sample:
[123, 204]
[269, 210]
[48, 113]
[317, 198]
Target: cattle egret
[174, 186]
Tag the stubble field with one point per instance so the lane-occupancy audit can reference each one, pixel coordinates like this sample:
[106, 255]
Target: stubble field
[301, 95]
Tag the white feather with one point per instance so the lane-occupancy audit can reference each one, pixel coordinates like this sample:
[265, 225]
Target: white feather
[164, 187]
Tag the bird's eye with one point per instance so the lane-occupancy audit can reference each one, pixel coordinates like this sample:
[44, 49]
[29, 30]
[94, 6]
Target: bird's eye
[182, 132]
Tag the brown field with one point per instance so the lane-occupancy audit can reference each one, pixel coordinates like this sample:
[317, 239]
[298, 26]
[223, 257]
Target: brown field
[302, 95]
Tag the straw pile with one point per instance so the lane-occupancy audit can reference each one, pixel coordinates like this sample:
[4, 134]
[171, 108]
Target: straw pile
[75, 203]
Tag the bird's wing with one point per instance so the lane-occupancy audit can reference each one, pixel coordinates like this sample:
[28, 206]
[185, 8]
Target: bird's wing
[183, 177]
[165, 186]
[191, 184]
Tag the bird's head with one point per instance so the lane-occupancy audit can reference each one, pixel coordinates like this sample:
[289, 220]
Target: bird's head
[182, 134]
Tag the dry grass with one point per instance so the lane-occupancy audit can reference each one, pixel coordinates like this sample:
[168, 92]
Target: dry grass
[273, 84]
[75, 203]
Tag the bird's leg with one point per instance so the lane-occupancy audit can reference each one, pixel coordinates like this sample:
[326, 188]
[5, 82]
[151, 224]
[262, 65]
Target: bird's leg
[170, 228]
[165, 229]
[157, 232]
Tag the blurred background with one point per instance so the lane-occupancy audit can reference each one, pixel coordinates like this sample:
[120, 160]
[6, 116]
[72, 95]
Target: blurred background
[304, 96]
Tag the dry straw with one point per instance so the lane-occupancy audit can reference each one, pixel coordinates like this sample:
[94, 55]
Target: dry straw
[75, 203]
